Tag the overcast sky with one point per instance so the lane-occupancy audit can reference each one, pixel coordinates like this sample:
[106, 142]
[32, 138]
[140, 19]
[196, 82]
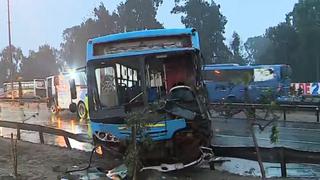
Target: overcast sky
[36, 22]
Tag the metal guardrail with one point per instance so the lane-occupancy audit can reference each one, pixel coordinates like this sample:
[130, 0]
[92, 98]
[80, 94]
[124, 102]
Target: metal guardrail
[43, 129]
[24, 100]
[280, 155]
[281, 107]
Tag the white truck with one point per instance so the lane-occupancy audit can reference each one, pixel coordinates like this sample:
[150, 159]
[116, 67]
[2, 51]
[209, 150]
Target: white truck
[59, 95]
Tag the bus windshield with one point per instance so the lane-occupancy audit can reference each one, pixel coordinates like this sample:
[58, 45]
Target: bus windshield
[121, 82]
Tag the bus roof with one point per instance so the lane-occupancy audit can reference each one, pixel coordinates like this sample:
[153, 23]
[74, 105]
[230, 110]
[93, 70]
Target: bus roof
[144, 34]
[211, 67]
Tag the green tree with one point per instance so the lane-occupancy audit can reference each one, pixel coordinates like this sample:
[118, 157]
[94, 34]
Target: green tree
[256, 48]
[305, 19]
[295, 42]
[210, 23]
[4, 76]
[73, 48]
[236, 50]
[138, 15]
[131, 15]
[284, 42]
[278, 46]
[40, 64]
[10, 69]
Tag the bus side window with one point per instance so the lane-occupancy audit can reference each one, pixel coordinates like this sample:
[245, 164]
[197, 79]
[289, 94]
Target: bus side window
[263, 74]
[107, 86]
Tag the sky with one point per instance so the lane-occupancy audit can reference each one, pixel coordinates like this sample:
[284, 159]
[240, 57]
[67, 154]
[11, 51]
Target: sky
[38, 22]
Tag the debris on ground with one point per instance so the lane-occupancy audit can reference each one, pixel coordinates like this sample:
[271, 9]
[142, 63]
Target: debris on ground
[36, 161]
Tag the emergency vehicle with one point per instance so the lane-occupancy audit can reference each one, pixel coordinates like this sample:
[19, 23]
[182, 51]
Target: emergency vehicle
[59, 95]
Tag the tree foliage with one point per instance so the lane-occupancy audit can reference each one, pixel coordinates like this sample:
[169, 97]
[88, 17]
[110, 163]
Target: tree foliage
[295, 42]
[10, 69]
[138, 14]
[41, 64]
[130, 16]
[237, 50]
[256, 48]
[210, 23]
[73, 48]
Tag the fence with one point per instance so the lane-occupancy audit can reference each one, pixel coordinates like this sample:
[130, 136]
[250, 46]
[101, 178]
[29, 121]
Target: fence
[280, 155]
[43, 129]
[281, 107]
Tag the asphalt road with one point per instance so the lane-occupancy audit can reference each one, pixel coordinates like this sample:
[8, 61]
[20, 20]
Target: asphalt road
[303, 133]
[64, 120]
[297, 135]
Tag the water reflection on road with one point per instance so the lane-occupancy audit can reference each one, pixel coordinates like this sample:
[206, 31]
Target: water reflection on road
[225, 130]
[64, 120]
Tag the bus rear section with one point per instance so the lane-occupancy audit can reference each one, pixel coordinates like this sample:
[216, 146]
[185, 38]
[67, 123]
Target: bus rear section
[58, 93]
[131, 72]
[252, 84]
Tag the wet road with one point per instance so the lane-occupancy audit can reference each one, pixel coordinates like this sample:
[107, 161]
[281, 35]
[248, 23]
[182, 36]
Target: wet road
[64, 120]
[305, 136]
[297, 135]
[228, 132]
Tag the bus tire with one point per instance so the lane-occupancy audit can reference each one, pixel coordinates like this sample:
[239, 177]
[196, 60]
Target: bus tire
[82, 111]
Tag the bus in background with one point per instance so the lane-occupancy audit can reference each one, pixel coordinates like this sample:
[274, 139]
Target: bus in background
[30, 89]
[129, 72]
[233, 83]
[59, 95]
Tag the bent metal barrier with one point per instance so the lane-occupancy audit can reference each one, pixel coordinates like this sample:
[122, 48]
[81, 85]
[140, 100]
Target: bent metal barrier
[281, 107]
[24, 100]
[280, 155]
[43, 129]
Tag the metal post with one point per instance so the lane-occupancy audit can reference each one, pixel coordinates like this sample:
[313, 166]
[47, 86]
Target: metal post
[283, 164]
[317, 112]
[10, 51]
[142, 68]
[317, 60]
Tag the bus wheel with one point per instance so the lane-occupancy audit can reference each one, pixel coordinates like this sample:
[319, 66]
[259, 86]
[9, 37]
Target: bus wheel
[82, 111]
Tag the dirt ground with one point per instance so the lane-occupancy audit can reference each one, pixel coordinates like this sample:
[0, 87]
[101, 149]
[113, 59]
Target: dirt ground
[37, 161]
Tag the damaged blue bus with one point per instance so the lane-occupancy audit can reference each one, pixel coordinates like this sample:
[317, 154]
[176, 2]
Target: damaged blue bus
[128, 72]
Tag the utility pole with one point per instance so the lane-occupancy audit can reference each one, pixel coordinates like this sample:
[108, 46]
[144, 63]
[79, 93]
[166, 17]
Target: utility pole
[10, 51]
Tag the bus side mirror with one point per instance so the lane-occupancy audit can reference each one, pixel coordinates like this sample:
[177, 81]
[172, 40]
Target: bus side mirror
[73, 89]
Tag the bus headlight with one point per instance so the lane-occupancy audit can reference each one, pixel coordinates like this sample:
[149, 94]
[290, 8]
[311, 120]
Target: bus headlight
[107, 137]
